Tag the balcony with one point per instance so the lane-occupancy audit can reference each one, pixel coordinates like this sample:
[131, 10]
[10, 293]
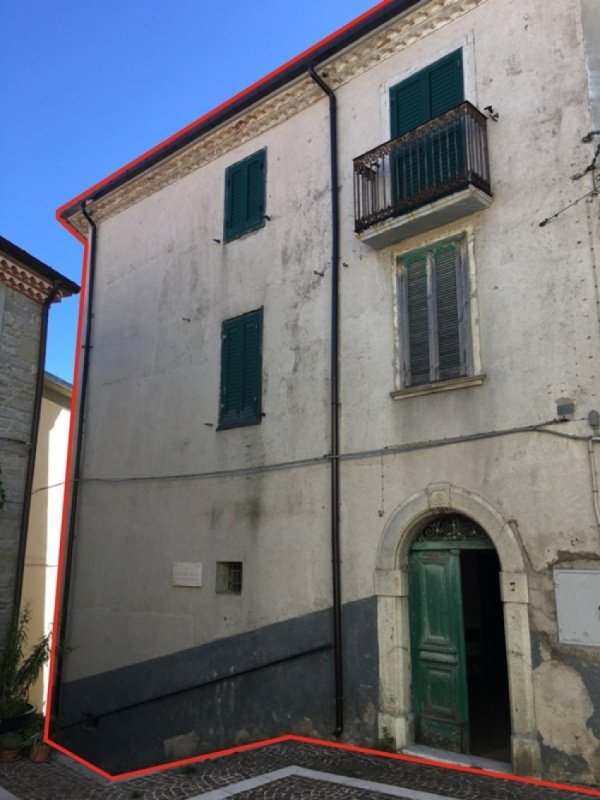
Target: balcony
[434, 174]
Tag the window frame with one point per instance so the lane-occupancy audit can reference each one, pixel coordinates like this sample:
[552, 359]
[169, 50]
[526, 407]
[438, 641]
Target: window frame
[229, 578]
[245, 414]
[242, 170]
[467, 322]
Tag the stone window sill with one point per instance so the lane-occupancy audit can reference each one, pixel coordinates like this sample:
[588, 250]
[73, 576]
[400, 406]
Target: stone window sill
[435, 388]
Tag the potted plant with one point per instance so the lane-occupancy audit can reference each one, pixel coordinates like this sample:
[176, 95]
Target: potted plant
[33, 737]
[19, 672]
[10, 745]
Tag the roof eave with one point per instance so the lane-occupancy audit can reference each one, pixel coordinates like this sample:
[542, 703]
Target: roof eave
[67, 286]
[319, 53]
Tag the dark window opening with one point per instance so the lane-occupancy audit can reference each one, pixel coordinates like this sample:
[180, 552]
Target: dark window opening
[229, 577]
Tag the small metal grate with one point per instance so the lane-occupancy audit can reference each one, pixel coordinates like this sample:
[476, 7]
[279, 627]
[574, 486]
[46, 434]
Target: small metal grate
[229, 577]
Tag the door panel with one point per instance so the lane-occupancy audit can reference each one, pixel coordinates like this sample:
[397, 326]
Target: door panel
[438, 650]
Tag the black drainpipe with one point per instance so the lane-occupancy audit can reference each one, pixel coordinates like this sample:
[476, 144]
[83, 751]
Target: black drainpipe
[35, 426]
[76, 472]
[335, 407]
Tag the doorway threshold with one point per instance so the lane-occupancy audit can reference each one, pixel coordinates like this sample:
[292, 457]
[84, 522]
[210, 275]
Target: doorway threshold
[460, 759]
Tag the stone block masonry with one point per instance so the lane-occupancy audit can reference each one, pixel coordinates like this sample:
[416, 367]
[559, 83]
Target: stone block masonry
[19, 344]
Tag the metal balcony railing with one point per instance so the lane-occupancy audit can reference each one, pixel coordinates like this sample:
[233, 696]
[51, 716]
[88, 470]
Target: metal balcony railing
[435, 159]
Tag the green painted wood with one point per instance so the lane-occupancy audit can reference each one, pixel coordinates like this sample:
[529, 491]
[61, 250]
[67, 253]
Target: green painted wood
[438, 157]
[462, 544]
[439, 676]
[432, 325]
[418, 318]
[445, 84]
[448, 335]
[245, 195]
[241, 370]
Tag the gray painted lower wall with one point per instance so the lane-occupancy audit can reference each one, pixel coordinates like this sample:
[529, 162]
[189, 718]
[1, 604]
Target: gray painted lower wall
[271, 681]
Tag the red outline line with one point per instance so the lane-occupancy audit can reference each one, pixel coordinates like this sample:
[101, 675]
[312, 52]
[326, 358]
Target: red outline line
[352, 748]
[66, 496]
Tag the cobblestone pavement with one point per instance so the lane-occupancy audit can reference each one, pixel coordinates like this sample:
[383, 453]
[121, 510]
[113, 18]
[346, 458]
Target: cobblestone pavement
[60, 779]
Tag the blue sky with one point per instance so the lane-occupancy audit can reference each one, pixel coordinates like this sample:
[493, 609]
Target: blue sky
[86, 87]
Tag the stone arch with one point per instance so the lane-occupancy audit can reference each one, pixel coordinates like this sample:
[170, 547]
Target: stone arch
[391, 588]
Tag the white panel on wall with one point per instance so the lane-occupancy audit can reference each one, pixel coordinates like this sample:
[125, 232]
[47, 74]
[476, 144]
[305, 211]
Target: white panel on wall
[187, 573]
[578, 606]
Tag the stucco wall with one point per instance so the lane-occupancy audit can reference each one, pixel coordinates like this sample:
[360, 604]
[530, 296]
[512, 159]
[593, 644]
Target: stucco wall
[45, 516]
[164, 286]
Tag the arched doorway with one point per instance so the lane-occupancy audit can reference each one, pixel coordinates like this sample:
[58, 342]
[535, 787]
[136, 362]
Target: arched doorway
[396, 714]
[460, 695]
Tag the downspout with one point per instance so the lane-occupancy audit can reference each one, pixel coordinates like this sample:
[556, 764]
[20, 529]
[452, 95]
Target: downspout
[335, 407]
[76, 474]
[35, 426]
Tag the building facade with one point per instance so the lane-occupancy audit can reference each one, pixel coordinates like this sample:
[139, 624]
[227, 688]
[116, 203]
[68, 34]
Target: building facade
[27, 288]
[45, 517]
[398, 378]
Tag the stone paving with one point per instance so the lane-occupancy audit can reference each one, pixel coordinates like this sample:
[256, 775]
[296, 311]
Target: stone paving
[60, 779]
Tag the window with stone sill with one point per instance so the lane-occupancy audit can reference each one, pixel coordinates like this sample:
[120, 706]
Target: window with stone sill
[434, 314]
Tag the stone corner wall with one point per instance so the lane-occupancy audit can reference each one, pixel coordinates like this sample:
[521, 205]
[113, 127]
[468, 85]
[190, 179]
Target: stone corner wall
[19, 343]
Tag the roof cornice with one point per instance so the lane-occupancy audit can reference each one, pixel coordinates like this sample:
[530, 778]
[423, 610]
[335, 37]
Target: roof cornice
[29, 276]
[405, 22]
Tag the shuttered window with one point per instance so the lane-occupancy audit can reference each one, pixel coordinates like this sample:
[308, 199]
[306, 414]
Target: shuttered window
[438, 157]
[241, 370]
[245, 195]
[429, 93]
[434, 314]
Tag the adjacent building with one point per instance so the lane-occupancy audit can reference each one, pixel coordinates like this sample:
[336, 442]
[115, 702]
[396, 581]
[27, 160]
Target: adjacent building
[45, 516]
[337, 468]
[27, 289]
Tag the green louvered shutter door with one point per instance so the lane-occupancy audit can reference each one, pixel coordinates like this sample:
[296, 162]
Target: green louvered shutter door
[232, 354]
[408, 108]
[420, 165]
[445, 265]
[445, 81]
[241, 370]
[446, 91]
[235, 206]
[418, 318]
[409, 104]
[255, 196]
[251, 368]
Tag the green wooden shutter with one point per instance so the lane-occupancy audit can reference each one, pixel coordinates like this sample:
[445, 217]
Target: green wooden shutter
[427, 94]
[446, 262]
[409, 104]
[408, 108]
[418, 318]
[241, 370]
[437, 158]
[434, 318]
[255, 189]
[251, 367]
[245, 195]
[231, 372]
[445, 84]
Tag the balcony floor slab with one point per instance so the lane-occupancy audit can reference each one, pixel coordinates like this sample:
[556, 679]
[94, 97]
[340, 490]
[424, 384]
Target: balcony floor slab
[427, 217]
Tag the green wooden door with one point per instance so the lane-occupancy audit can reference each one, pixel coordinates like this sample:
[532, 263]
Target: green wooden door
[439, 672]
[434, 159]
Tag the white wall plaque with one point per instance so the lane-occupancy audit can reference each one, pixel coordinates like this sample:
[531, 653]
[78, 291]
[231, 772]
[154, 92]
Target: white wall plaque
[578, 606]
[187, 573]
